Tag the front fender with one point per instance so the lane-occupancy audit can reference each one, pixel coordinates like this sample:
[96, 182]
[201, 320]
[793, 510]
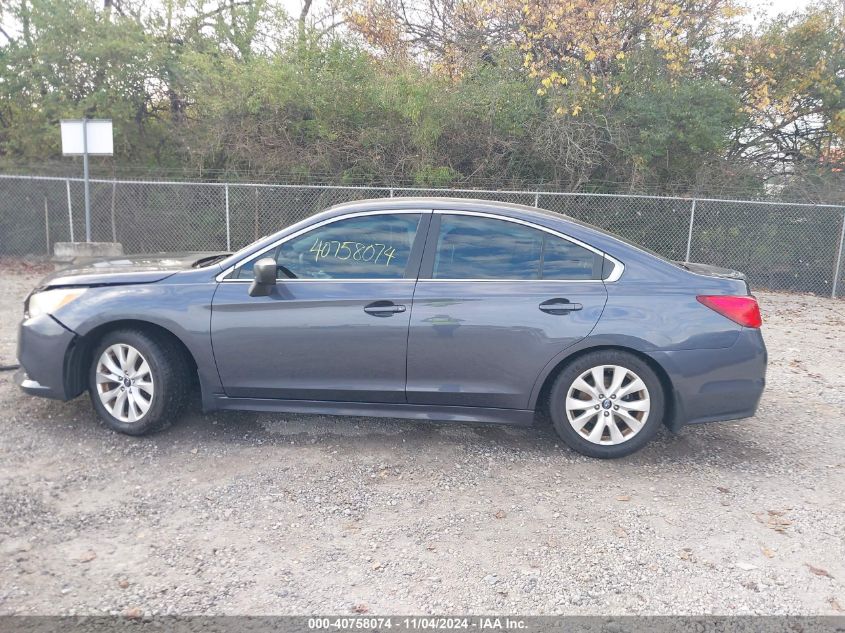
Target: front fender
[182, 309]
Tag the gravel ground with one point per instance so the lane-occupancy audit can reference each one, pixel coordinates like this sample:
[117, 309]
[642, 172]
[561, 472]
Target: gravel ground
[294, 514]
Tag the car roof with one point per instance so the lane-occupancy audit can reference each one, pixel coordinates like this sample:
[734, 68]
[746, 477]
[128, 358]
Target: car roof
[452, 204]
[522, 211]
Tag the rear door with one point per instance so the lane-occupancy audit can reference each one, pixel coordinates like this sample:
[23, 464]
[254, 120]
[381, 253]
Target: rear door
[335, 326]
[497, 299]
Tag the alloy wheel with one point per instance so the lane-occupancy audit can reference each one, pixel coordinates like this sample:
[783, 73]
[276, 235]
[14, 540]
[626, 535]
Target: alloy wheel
[608, 404]
[124, 382]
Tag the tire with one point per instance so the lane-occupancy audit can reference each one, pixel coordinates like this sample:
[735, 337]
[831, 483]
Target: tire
[636, 414]
[156, 398]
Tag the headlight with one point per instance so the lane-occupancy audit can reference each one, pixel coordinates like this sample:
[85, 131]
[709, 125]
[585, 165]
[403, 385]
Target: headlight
[49, 301]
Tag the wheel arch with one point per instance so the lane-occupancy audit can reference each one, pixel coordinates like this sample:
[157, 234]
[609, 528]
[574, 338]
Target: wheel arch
[540, 396]
[79, 356]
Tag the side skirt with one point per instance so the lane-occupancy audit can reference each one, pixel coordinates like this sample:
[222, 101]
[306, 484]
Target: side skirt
[519, 417]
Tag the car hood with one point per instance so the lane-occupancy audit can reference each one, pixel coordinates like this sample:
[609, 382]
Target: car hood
[127, 269]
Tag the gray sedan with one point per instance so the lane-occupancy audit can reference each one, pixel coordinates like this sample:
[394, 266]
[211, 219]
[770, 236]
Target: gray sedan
[424, 308]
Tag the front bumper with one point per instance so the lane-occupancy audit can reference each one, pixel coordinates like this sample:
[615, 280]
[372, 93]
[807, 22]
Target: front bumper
[43, 346]
[712, 385]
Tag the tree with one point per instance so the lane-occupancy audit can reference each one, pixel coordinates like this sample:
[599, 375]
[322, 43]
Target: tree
[790, 77]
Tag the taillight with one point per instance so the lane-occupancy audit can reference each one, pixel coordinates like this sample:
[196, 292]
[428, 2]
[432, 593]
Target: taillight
[742, 310]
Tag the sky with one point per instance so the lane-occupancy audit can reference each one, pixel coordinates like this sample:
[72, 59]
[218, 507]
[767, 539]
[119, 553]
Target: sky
[771, 7]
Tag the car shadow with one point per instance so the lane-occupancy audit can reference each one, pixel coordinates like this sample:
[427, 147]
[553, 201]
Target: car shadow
[721, 445]
[718, 445]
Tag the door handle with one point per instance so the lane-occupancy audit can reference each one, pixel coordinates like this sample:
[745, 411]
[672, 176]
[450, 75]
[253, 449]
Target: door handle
[559, 306]
[383, 308]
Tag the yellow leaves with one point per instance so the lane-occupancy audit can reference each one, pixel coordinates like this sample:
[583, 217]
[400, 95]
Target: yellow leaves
[584, 39]
[576, 110]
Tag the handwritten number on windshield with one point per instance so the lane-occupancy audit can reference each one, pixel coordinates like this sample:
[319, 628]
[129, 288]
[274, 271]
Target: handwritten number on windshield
[356, 251]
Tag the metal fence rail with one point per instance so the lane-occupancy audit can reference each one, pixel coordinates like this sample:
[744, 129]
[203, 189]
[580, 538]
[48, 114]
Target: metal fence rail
[781, 246]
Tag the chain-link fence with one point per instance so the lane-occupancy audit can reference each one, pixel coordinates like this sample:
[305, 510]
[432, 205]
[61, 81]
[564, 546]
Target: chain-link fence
[781, 246]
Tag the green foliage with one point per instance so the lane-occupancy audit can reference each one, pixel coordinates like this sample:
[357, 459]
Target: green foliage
[437, 177]
[225, 89]
[674, 129]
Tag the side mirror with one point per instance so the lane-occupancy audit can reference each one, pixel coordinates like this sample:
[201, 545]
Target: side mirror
[264, 271]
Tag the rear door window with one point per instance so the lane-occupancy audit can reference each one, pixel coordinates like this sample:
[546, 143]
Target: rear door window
[471, 247]
[474, 247]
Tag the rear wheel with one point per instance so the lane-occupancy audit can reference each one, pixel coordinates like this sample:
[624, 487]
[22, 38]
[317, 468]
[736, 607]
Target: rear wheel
[607, 404]
[138, 383]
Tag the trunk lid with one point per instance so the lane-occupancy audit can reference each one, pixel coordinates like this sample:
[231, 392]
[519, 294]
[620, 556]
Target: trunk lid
[711, 271]
[740, 282]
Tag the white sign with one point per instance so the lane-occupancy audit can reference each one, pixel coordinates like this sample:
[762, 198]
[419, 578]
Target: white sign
[99, 135]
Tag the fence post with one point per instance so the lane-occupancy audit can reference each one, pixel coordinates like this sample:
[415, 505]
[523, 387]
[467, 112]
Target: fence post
[87, 179]
[391, 192]
[228, 228]
[113, 221]
[537, 200]
[255, 213]
[691, 223]
[838, 264]
[47, 223]
[69, 209]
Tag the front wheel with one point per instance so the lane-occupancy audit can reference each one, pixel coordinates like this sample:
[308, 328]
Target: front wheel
[138, 383]
[607, 404]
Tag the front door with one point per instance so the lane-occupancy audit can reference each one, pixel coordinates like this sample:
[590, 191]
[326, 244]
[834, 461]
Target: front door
[495, 303]
[335, 326]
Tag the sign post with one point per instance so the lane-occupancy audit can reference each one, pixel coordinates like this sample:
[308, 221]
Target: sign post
[84, 137]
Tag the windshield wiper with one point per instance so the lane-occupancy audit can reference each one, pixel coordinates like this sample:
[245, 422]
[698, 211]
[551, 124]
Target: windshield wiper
[208, 261]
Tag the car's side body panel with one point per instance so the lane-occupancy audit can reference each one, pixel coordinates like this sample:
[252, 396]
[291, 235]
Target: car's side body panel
[312, 340]
[483, 343]
[664, 317]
